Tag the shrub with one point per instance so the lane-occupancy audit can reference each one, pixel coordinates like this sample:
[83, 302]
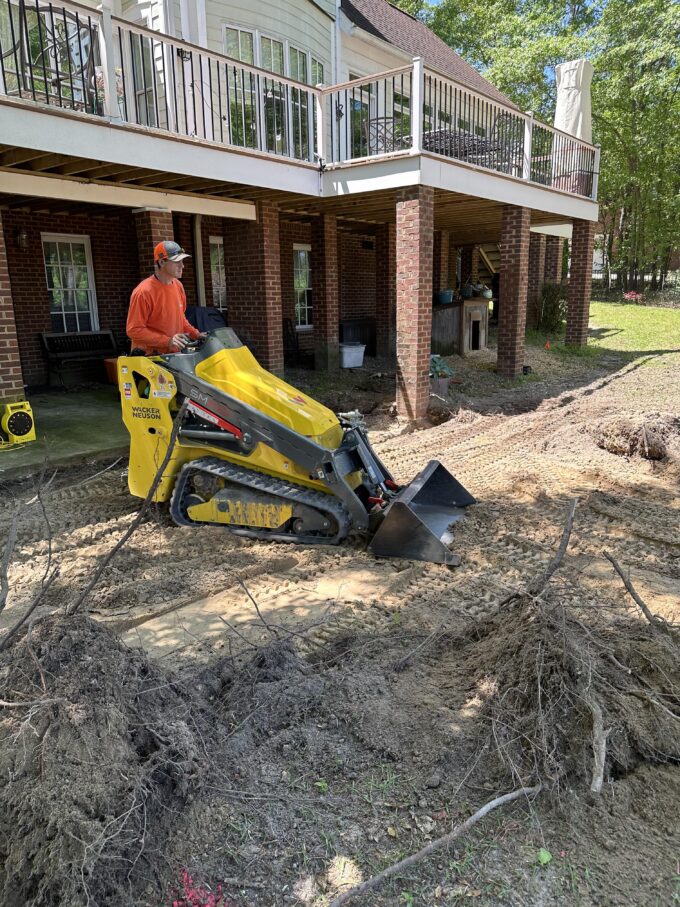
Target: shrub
[552, 307]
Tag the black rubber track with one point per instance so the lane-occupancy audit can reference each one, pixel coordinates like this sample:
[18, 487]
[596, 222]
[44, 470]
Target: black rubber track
[278, 488]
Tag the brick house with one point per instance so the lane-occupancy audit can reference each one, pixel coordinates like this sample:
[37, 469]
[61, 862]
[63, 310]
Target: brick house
[322, 163]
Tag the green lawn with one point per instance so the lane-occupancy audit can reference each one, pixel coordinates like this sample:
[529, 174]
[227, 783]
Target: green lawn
[633, 328]
[619, 327]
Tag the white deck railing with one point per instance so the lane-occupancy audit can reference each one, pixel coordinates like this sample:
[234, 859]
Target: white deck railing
[69, 56]
[374, 117]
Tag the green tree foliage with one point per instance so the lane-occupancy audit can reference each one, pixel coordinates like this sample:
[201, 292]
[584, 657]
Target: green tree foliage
[634, 47]
[416, 8]
[636, 105]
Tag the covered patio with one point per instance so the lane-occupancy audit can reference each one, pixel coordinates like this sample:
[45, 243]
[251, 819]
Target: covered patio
[418, 234]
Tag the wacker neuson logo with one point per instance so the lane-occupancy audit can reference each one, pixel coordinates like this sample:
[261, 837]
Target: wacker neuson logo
[146, 412]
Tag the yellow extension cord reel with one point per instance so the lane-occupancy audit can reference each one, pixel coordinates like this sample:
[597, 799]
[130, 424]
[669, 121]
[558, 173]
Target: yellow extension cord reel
[16, 424]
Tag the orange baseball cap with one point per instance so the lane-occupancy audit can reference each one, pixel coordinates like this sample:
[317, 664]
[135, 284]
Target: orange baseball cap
[169, 251]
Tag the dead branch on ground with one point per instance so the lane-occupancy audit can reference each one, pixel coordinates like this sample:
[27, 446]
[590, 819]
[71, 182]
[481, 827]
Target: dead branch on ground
[539, 584]
[49, 575]
[599, 746]
[7, 556]
[535, 587]
[77, 604]
[38, 598]
[444, 841]
[657, 622]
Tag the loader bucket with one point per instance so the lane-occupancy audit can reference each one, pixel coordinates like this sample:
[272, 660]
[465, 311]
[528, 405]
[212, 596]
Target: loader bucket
[417, 523]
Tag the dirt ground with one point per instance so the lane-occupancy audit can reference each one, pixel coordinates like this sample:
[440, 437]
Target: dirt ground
[286, 722]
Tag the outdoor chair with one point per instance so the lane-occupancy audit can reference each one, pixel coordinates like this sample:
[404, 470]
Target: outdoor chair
[293, 355]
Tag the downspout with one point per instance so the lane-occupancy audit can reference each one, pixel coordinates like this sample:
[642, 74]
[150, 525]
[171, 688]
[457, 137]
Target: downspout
[337, 45]
[198, 258]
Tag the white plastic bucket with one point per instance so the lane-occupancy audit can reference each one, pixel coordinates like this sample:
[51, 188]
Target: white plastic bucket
[352, 355]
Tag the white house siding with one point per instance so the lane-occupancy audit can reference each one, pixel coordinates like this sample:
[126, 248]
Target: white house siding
[363, 55]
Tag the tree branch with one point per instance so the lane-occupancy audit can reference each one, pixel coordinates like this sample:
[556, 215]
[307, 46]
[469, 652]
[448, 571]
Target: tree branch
[73, 608]
[657, 622]
[444, 841]
[541, 582]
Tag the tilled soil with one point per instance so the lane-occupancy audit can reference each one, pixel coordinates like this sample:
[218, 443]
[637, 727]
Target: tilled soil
[335, 736]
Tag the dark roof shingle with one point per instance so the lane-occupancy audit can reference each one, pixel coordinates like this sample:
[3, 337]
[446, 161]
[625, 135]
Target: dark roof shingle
[381, 19]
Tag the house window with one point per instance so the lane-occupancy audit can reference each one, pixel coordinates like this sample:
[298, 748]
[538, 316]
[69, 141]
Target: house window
[361, 103]
[70, 282]
[298, 64]
[143, 81]
[401, 112]
[302, 284]
[242, 120]
[264, 112]
[217, 271]
[317, 72]
[299, 103]
[271, 55]
[240, 45]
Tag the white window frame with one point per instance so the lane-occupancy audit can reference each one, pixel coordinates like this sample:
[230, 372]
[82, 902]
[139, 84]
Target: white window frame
[320, 63]
[218, 241]
[303, 53]
[254, 36]
[303, 247]
[257, 50]
[85, 240]
[284, 52]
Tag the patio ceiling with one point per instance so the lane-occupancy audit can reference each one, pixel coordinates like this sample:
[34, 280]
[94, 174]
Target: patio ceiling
[36, 162]
[468, 219]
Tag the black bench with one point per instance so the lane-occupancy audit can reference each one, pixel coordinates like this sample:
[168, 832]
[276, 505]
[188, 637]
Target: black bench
[80, 346]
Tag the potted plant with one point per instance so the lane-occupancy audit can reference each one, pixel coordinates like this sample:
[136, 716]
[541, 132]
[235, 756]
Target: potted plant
[440, 375]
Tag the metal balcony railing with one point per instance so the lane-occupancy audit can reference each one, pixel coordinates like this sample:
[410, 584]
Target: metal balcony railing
[69, 56]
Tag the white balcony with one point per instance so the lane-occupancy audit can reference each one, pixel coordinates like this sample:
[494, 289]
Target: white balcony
[406, 126]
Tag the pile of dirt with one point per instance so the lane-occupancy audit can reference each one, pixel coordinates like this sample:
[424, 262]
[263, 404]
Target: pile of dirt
[99, 751]
[648, 437]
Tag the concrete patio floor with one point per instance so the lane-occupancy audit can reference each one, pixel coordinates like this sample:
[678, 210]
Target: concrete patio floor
[71, 427]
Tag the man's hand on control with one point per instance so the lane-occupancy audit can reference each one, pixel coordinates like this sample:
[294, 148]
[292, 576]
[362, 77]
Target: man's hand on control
[179, 341]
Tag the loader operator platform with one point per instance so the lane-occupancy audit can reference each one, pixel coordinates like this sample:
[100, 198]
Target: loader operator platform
[156, 321]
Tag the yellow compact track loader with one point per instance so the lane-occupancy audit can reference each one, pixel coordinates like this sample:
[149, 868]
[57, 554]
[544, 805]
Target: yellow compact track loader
[262, 459]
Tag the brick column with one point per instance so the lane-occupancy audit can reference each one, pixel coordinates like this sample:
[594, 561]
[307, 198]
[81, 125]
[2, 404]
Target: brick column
[325, 295]
[252, 260]
[440, 261]
[414, 241]
[469, 265]
[554, 246]
[535, 279]
[453, 266]
[386, 291]
[271, 315]
[513, 290]
[580, 278]
[152, 225]
[11, 378]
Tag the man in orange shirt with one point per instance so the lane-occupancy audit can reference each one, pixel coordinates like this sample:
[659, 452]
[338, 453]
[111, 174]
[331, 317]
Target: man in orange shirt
[156, 321]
